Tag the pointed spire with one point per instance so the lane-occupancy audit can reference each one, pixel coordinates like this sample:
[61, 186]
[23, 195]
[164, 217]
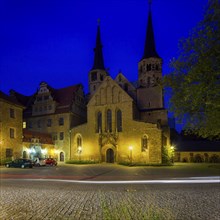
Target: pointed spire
[98, 58]
[150, 48]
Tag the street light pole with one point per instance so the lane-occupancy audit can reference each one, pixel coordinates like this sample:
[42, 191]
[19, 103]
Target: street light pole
[79, 151]
[70, 143]
[130, 149]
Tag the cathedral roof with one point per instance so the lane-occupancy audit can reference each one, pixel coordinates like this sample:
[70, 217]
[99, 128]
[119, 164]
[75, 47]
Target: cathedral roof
[98, 58]
[150, 47]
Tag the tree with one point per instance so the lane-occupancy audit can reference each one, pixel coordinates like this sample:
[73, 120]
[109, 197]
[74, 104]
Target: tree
[195, 78]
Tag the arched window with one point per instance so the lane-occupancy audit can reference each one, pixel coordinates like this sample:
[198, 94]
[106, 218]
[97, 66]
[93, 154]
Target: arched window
[109, 121]
[79, 141]
[99, 122]
[144, 143]
[119, 120]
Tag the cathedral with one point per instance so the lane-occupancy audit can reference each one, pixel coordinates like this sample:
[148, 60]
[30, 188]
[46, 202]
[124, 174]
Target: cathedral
[118, 121]
[126, 121]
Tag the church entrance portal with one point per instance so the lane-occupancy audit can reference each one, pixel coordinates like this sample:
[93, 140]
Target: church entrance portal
[110, 156]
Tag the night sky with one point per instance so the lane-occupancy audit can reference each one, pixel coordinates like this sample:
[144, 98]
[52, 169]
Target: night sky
[53, 40]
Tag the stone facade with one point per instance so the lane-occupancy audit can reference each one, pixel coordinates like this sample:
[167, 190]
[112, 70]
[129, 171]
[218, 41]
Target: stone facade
[10, 128]
[54, 112]
[112, 143]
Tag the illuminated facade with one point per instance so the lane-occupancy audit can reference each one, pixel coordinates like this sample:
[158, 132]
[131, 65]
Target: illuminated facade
[52, 112]
[126, 122]
[122, 122]
[10, 127]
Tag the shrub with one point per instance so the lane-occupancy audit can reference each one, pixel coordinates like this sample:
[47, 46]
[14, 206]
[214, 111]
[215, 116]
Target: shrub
[214, 159]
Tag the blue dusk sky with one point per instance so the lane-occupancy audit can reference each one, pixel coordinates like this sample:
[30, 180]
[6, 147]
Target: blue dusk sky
[53, 40]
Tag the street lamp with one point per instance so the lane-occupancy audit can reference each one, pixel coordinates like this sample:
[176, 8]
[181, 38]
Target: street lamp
[79, 151]
[70, 143]
[172, 148]
[130, 149]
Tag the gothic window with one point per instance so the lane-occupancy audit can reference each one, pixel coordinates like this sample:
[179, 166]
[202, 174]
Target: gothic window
[148, 80]
[119, 120]
[109, 120]
[144, 143]
[93, 76]
[61, 121]
[79, 141]
[99, 122]
[119, 78]
[148, 67]
[94, 87]
[101, 77]
[157, 67]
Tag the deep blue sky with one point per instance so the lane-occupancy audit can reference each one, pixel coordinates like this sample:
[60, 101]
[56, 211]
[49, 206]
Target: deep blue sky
[53, 40]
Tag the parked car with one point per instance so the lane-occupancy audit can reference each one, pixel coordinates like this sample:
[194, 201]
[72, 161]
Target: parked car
[39, 162]
[22, 163]
[50, 161]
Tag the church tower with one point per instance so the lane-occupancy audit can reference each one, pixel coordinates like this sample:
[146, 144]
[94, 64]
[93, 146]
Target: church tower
[150, 66]
[149, 93]
[98, 72]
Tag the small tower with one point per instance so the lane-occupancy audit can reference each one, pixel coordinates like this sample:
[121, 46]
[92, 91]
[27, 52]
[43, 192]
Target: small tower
[150, 66]
[98, 72]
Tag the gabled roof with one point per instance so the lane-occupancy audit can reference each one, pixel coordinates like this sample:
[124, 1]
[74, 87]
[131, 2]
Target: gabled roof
[64, 98]
[105, 83]
[10, 99]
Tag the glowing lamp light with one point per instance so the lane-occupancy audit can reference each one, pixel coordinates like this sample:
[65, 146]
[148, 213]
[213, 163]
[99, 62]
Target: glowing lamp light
[130, 148]
[44, 151]
[79, 148]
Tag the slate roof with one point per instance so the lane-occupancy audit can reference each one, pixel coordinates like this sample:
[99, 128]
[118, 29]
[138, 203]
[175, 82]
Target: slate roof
[64, 98]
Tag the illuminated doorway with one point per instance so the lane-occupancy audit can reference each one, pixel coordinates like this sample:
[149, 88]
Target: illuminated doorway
[110, 156]
[61, 156]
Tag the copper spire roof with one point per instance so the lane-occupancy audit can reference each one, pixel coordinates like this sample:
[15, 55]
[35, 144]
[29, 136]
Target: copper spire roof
[98, 58]
[150, 47]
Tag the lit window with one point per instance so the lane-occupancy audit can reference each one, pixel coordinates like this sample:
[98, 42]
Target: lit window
[24, 124]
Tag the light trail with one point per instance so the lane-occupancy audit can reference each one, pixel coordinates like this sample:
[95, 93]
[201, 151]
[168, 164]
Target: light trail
[190, 180]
